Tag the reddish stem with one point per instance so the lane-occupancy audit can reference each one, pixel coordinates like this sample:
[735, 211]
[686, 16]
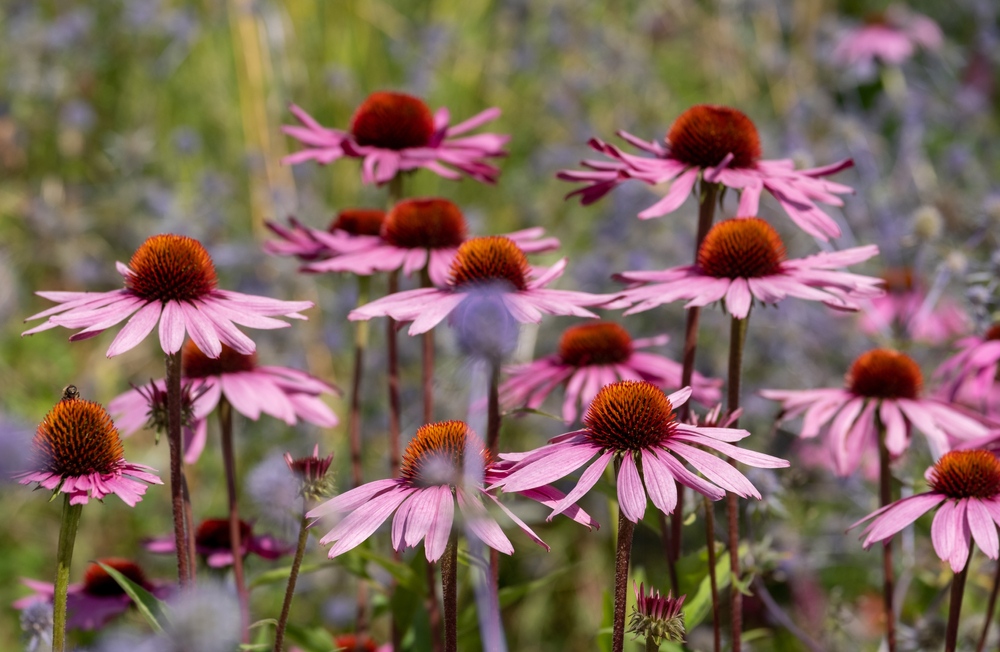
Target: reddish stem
[173, 380]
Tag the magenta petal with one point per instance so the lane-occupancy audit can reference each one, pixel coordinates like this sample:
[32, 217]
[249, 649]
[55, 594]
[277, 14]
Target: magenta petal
[440, 527]
[983, 529]
[898, 515]
[588, 479]
[136, 329]
[362, 523]
[202, 330]
[631, 495]
[545, 470]
[660, 483]
[944, 530]
[479, 522]
[171, 327]
[354, 498]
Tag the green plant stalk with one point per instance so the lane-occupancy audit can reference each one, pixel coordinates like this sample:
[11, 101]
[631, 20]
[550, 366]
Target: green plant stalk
[300, 548]
[623, 554]
[885, 497]
[651, 645]
[179, 505]
[64, 558]
[737, 342]
[235, 544]
[955, 605]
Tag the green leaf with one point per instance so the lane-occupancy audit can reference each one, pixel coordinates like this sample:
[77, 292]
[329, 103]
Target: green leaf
[404, 575]
[280, 575]
[311, 639]
[527, 410]
[151, 608]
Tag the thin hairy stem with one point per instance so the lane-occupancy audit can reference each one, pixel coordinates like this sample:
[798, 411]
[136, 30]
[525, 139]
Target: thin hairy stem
[176, 445]
[623, 554]
[955, 606]
[64, 558]
[293, 577]
[449, 591]
[235, 544]
[737, 342]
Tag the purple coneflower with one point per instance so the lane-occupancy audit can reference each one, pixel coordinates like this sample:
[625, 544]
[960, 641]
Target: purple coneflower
[496, 262]
[883, 388]
[394, 132]
[350, 229]
[439, 467]
[657, 617]
[632, 423]
[418, 233]
[281, 392]
[213, 543]
[169, 280]
[970, 375]
[721, 145]
[890, 38]
[99, 598]
[743, 259]
[591, 356]
[904, 311]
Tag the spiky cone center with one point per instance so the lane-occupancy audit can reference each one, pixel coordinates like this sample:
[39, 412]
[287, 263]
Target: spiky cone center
[743, 247]
[424, 223]
[359, 221]
[899, 280]
[437, 454]
[594, 344]
[993, 332]
[213, 534]
[966, 474]
[195, 364]
[657, 617]
[76, 438]
[171, 268]
[392, 121]
[705, 134]
[486, 260]
[97, 581]
[314, 474]
[884, 373]
[629, 415]
[354, 643]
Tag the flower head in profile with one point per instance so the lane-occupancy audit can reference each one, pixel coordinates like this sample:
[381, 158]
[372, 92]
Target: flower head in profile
[884, 388]
[970, 376]
[445, 463]
[418, 233]
[889, 38]
[99, 598]
[719, 145]
[212, 542]
[313, 474]
[743, 259]
[395, 132]
[77, 451]
[633, 423]
[656, 617]
[591, 356]
[907, 310]
[965, 486]
[252, 389]
[350, 229]
[496, 262]
[170, 280]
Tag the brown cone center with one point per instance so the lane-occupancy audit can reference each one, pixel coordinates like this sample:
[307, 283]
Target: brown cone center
[359, 221]
[966, 474]
[196, 364]
[884, 373]
[392, 121]
[705, 134]
[171, 268]
[899, 280]
[596, 343]
[213, 534]
[493, 258]
[743, 247]
[629, 415]
[436, 454]
[77, 437]
[424, 223]
[97, 581]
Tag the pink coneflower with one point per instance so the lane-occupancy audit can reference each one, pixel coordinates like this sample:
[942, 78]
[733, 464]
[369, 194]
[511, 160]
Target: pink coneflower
[439, 467]
[416, 233]
[743, 259]
[904, 311]
[351, 229]
[281, 392]
[721, 145]
[313, 474]
[99, 598]
[890, 38]
[970, 375]
[395, 132]
[494, 262]
[632, 422]
[170, 280]
[213, 543]
[657, 617]
[591, 356]
[882, 387]
[968, 483]
[77, 451]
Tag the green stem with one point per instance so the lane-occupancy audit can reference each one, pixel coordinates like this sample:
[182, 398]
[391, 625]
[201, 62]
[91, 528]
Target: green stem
[176, 445]
[885, 498]
[293, 577]
[651, 645]
[493, 410]
[955, 606]
[235, 544]
[710, 546]
[623, 554]
[737, 342]
[449, 591]
[67, 537]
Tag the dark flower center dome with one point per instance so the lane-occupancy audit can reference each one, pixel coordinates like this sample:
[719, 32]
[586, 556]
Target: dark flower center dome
[884, 373]
[992, 333]
[493, 258]
[392, 121]
[97, 581]
[705, 134]
[171, 268]
[629, 415]
[195, 364]
[742, 247]
[594, 344]
[424, 223]
[77, 437]
[359, 221]
[436, 454]
[966, 474]
[213, 534]
[899, 280]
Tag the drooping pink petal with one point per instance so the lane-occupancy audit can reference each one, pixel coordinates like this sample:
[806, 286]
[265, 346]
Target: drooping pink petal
[631, 495]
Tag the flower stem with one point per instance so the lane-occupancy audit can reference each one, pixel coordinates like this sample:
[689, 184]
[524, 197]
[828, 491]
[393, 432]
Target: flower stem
[710, 547]
[737, 342]
[623, 553]
[493, 410]
[67, 537]
[185, 572]
[293, 577]
[990, 606]
[885, 497]
[955, 605]
[235, 544]
[432, 606]
[651, 645]
[449, 591]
